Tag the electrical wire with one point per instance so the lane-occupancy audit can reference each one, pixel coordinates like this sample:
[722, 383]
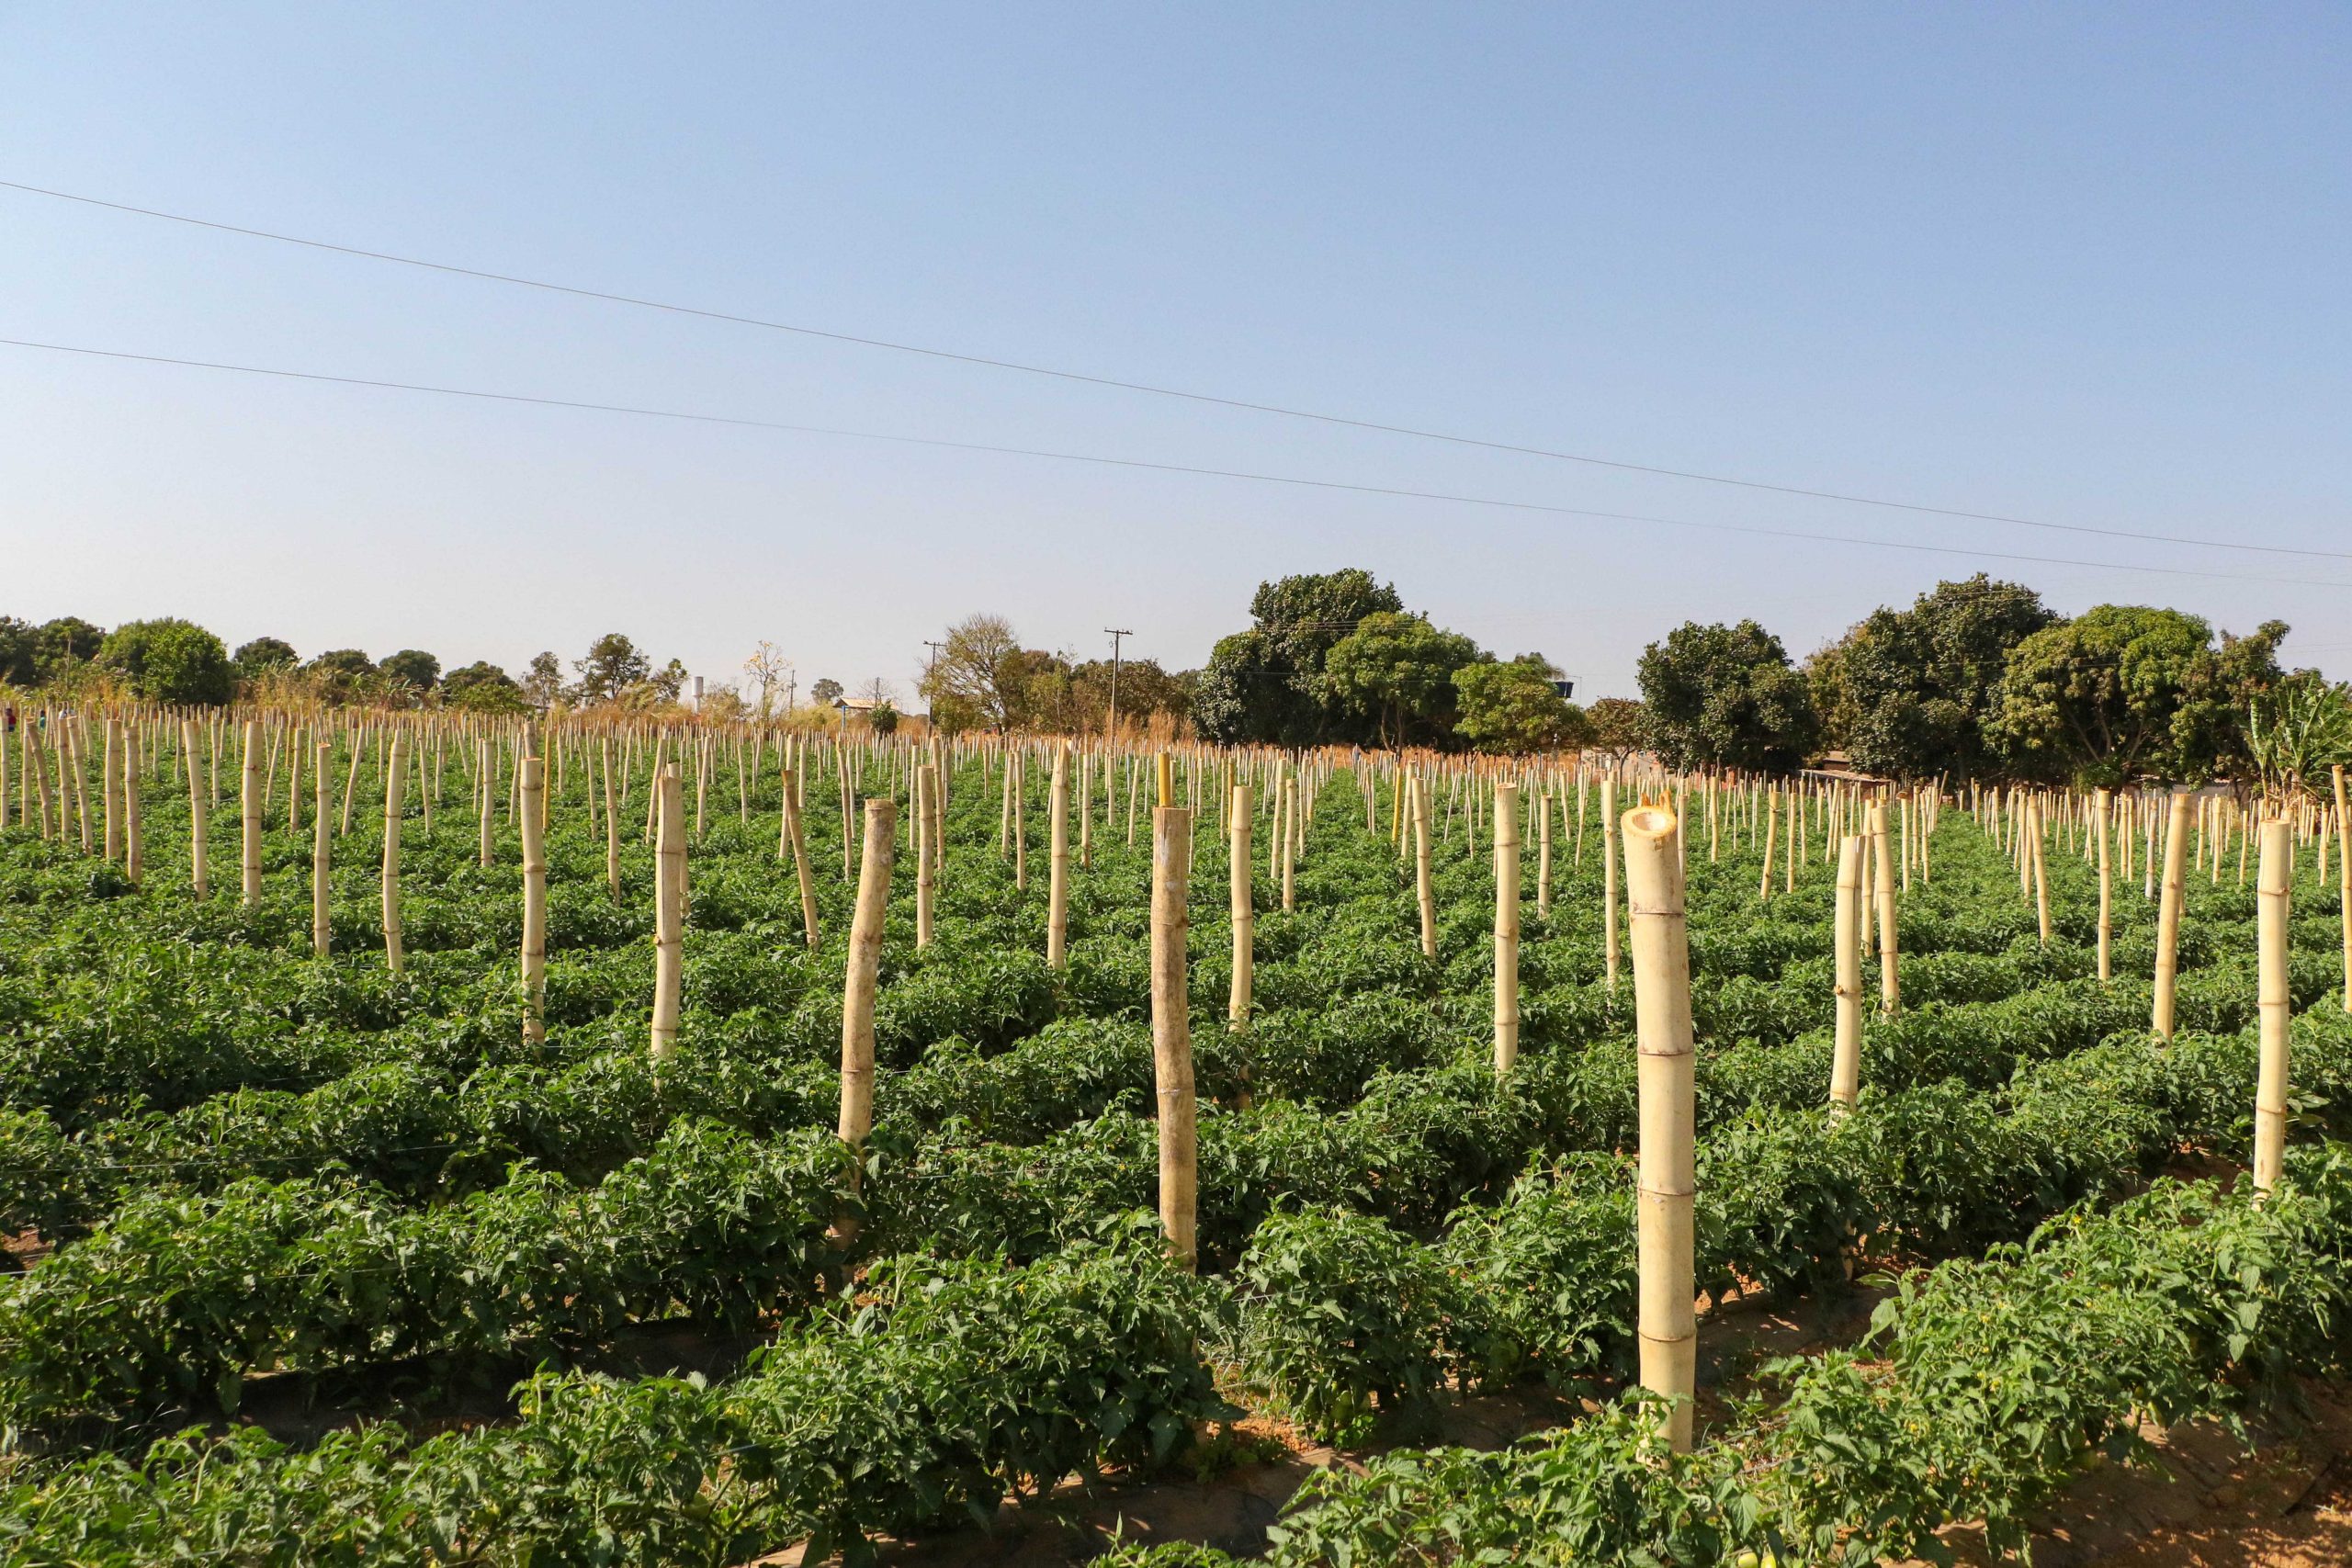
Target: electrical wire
[1391, 492]
[1149, 389]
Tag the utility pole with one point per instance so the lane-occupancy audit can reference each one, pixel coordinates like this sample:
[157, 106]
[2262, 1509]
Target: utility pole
[1116, 632]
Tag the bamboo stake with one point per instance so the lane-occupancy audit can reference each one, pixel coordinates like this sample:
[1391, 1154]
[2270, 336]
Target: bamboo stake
[1667, 1318]
[1057, 868]
[2272, 1000]
[2168, 915]
[1771, 840]
[1890, 997]
[1171, 1033]
[393, 782]
[795, 837]
[134, 856]
[1846, 1064]
[858, 983]
[249, 817]
[1506, 928]
[532, 774]
[1609, 876]
[110, 773]
[321, 836]
[1422, 890]
[1242, 904]
[2102, 807]
[923, 847]
[1543, 853]
[669, 907]
[196, 814]
[2344, 878]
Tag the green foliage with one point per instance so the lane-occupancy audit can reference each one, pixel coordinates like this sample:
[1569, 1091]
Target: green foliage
[1266, 684]
[2298, 731]
[265, 653]
[1915, 687]
[1514, 707]
[1397, 672]
[1725, 696]
[413, 668]
[484, 687]
[2125, 691]
[170, 662]
[612, 665]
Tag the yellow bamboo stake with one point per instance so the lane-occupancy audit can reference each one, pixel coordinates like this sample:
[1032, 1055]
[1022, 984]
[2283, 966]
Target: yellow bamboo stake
[393, 782]
[1846, 1064]
[859, 981]
[669, 907]
[2272, 1002]
[1668, 1326]
[532, 772]
[2168, 915]
[249, 817]
[1506, 928]
[321, 836]
[1172, 1030]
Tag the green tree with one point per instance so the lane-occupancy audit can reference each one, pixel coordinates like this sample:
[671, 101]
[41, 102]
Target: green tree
[265, 653]
[543, 680]
[883, 718]
[825, 691]
[2298, 731]
[1919, 684]
[612, 665]
[170, 660]
[343, 674]
[1726, 697]
[64, 642]
[2127, 690]
[414, 666]
[979, 669]
[1616, 727]
[1267, 684]
[1515, 706]
[1398, 670]
[20, 652]
[483, 687]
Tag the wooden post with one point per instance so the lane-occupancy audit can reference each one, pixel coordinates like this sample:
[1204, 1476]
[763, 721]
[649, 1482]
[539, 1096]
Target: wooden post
[196, 813]
[2168, 915]
[1243, 905]
[1667, 1320]
[321, 836]
[2344, 878]
[2272, 1000]
[1609, 876]
[795, 836]
[393, 782]
[1506, 928]
[865, 970]
[1771, 839]
[1890, 997]
[2102, 807]
[669, 907]
[1423, 892]
[110, 781]
[612, 826]
[1057, 870]
[1171, 1031]
[1846, 1064]
[1543, 852]
[249, 817]
[533, 778]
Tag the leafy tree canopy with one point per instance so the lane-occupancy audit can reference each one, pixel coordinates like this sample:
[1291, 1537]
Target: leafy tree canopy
[2127, 690]
[170, 660]
[824, 689]
[1919, 685]
[265, 653]
[613, 664]
[413, 667]
[483, 687]
[1514, 707]
[64, 642]
[1726, 696]
[1267, 684]
[1398, 670]
[1616, 726]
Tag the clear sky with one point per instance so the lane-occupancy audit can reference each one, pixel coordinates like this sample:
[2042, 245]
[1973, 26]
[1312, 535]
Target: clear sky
[2086, 264]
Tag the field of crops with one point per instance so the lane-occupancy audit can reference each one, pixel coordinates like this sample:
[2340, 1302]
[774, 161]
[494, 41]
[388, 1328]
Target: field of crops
[321, 1261]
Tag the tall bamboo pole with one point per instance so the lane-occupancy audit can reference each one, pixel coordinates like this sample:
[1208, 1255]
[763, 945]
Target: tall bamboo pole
[1890, 996]
[196, 816]
[2168, 915]
[863, 971]
[134, 856]
[321, 836]
[249, 817]
[393, 782]
[1424, 893]
[1609, 876]
[2344, 878]
[612, 826]
[2272, 1000]
[533, 778]
[1543, 853]
[669, 907]
[1171, 1031]
[1846, 1064]
[795, 836]
[2102, 808]
[1057, 868]
[1771, 840]
[110, 771]
[1506, 928]
[1668, 1320]
[1242, 905]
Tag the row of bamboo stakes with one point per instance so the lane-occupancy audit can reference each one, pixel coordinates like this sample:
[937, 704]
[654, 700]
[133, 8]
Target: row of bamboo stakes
[1877, 839]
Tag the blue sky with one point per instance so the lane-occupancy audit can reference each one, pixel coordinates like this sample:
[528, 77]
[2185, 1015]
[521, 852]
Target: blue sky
[2083, 264]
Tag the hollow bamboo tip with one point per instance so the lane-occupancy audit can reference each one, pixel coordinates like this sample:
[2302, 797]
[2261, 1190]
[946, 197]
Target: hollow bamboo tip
[1649, 823]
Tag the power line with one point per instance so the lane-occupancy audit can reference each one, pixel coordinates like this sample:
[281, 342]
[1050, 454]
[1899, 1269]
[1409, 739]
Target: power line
[1149, 389]
[1391, 492]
